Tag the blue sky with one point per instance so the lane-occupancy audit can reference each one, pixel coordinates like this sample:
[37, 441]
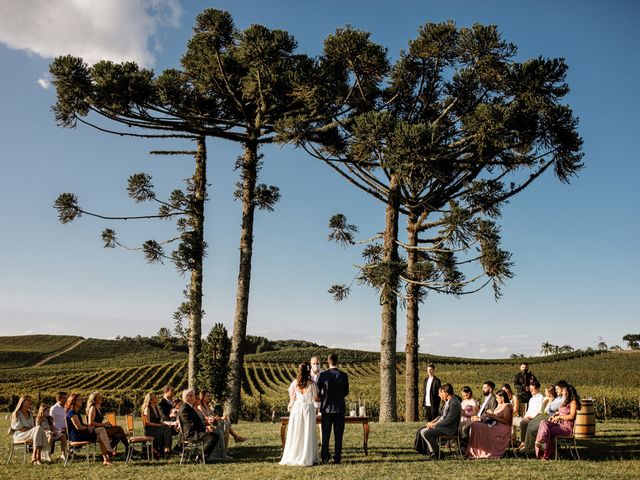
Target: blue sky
[574, 246]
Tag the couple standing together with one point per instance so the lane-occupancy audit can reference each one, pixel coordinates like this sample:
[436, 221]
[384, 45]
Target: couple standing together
[328, 390]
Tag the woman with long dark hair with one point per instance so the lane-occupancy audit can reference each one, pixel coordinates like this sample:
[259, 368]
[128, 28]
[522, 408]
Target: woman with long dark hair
[301, 447]
[491, 435]
[561, 423]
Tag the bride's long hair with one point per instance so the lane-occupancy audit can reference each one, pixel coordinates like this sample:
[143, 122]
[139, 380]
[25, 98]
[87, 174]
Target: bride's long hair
[304, 374]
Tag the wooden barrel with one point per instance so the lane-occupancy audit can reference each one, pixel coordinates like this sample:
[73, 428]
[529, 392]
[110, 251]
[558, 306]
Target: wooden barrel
[585, 425]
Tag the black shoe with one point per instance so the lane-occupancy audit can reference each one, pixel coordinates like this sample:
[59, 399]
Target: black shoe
[325, 461]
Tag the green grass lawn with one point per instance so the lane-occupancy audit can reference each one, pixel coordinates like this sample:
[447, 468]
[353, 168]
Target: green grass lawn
[613, 453]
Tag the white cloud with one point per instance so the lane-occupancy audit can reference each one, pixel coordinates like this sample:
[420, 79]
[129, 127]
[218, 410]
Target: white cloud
[116, 30]
[44, 82]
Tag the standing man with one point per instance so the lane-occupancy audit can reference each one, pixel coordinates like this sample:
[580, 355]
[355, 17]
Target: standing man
[315, 373]
[431, 397]
[333, 386]
[426, 441]
[522, 381]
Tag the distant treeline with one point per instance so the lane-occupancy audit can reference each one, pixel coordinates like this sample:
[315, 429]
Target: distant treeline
[254, 344]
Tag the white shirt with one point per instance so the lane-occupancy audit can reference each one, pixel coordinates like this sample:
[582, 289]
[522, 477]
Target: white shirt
[535, 405]
[427, 394]
[58, 415]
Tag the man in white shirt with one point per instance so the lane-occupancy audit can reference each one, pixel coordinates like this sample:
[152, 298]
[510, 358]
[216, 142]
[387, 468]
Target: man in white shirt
[315, 373]
[59, 421]
[431, 396]
[533, 410]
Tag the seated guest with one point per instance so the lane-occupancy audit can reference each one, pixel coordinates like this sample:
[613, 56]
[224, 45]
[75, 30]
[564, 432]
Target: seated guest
[79, 432]
[166, 403]
[192, 427]
[489, 403]
[534, 408]
[59, 424]
[553, 401]
[23, 427]
[447, 423]
[513, 400]
[490, 436]
[95, 418]
[215, 418]
[44, 420]
[154, 427]
[560, 423]
[213, 426]
[470, 405]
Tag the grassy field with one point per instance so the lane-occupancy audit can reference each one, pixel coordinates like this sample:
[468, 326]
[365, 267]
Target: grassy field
[125, 372]
[613, 453]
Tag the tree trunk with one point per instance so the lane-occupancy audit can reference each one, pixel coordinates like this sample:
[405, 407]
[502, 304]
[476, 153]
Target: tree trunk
[195, 288]
[249, 177]
[411, 349]
[389, 300]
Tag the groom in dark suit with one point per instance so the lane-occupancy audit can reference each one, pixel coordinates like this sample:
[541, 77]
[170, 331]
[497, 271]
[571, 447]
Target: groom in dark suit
[333, 386]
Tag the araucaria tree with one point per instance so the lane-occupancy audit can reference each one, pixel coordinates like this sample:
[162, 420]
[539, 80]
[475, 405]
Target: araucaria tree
[188, 207]
[254, 76]
[457, 129]
[233, 85]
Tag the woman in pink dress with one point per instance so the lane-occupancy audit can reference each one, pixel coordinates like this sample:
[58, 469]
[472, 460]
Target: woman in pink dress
[491, 433]
[561, 423]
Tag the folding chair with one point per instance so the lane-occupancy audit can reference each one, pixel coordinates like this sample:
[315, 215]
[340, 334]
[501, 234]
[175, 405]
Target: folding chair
[145, 441]
[72, 447]
[189, 446]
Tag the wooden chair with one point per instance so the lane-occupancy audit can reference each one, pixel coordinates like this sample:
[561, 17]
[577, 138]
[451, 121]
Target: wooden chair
[17, 444]
[111, 418]
[144, 441]
[189, 446]
[450, 442]
[72, 447]
[568, 441]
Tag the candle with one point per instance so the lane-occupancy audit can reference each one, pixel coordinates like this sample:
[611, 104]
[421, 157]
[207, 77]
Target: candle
[363, 412]
[352, 413]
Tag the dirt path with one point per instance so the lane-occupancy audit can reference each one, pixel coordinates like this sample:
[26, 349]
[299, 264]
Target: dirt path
[57, 354]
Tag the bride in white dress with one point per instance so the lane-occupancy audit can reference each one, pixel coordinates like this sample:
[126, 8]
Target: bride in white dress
[301, 447]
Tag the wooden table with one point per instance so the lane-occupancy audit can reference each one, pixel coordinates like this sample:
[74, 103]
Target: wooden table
[364, 421]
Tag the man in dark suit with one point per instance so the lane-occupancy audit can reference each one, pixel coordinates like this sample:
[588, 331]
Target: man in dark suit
[166, 403]
[521, 382]
[489, 403]
[431, 394]
[333, 386]
[426, 441]
[192, 427]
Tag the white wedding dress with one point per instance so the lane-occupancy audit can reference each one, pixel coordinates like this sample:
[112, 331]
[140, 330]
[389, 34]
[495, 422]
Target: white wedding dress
[301, 447]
